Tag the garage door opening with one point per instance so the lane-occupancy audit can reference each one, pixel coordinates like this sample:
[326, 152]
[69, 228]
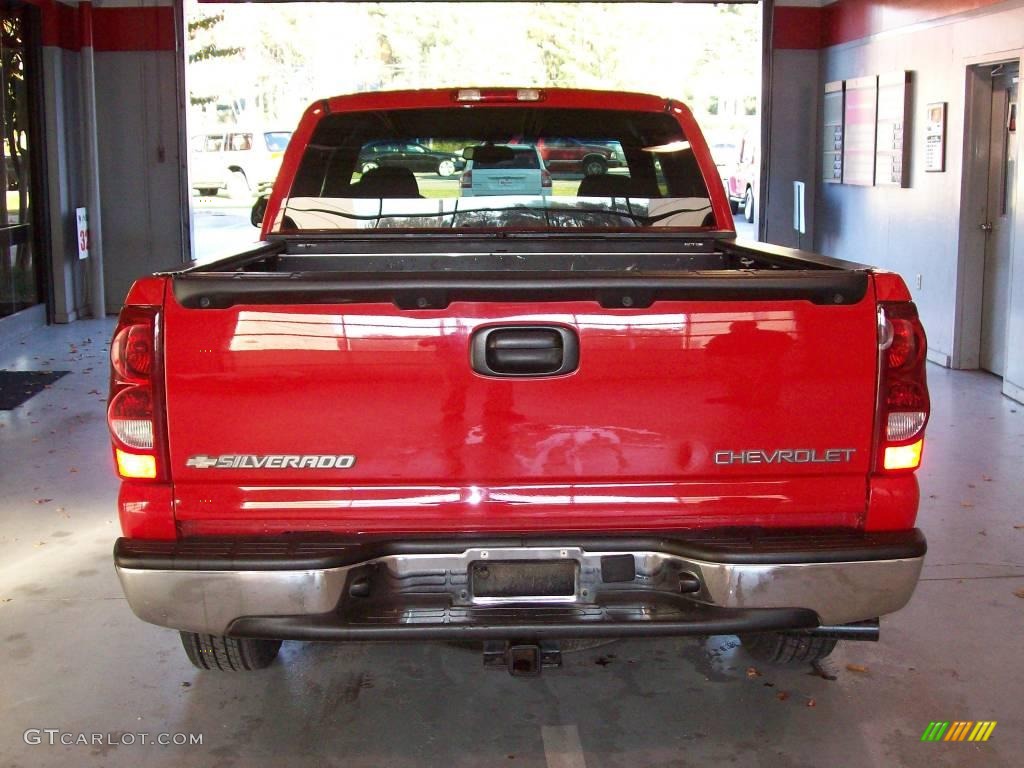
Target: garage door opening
[253, 68]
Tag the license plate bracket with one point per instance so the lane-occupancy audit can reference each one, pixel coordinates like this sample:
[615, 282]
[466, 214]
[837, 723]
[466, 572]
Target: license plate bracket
[512, 579]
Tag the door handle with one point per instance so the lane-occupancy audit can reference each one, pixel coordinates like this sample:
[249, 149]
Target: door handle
[521, 351]
[987, 227]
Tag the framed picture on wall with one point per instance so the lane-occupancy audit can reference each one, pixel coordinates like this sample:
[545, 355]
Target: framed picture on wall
[935, 138]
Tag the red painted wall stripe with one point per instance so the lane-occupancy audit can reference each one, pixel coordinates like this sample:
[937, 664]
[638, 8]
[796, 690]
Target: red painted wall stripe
[113, 29]
[133, 29]
[848, 20]
[796, 28]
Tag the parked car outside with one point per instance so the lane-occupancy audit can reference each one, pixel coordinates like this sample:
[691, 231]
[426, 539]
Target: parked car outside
[243, 162]
[742, 182]
[504, 169]
[408, 154]
[572, 156]
[724, 155]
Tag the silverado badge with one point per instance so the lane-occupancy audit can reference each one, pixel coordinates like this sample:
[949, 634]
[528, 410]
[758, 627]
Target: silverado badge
[271, 461]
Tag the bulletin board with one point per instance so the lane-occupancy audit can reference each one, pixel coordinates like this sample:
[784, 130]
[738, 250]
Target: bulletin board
[832, 134]
[860, 111]
[892, 152]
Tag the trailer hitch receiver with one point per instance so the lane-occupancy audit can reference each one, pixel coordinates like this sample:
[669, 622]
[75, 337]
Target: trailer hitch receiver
[522, 658]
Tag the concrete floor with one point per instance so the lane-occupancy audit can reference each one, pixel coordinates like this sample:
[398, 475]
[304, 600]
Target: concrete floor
[74, 658]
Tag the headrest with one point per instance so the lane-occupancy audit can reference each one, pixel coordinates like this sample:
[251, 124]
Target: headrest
[386, 182]
[608, 185]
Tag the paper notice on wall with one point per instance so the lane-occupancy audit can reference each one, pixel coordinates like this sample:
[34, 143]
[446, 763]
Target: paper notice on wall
[82, 229]
[935, 138]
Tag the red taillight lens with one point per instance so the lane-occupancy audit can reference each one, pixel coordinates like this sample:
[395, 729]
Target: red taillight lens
[905, 349]
[131, 352]
[130, 417]
[466, 182]
[133, 415]
[903, 401]
[545, 179]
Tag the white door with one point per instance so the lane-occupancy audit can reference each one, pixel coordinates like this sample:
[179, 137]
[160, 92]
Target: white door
[998, 224]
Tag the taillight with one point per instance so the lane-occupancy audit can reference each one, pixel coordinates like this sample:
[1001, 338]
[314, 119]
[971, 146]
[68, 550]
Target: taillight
[903, 388]
[545, 179]
[130, 416]
[467, 180]
[134, 415]
[131, 353]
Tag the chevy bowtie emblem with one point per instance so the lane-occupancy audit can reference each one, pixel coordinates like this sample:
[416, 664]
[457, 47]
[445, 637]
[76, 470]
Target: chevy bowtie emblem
[271, 461]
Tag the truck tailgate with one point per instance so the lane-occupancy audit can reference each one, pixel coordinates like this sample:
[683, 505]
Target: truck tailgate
[683, 414]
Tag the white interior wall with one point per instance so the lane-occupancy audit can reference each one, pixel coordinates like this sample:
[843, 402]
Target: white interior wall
[916, 231]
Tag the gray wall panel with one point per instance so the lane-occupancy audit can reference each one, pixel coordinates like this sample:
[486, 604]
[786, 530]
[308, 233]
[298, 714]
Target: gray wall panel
[140, 184]
[63, 160]
[794, 137]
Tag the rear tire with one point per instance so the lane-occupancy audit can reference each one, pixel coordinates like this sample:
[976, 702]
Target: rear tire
[229, 654]
[788, 648]
[594, 166]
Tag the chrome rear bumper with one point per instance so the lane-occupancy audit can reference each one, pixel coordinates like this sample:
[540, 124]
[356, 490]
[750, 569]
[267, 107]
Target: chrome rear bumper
[425, 588]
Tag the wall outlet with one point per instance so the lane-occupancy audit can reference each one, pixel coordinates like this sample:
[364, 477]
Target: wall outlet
[919, 281]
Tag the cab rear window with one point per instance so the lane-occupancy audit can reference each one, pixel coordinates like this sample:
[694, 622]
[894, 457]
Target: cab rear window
[412, 169]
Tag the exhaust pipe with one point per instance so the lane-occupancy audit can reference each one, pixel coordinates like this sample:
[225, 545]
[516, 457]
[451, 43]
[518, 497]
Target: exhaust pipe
[859, 630]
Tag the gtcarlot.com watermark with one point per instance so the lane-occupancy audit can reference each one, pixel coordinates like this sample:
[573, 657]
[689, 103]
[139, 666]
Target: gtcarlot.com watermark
[56, 737]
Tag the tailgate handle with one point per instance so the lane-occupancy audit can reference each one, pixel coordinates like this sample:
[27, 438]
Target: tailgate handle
[525, 350]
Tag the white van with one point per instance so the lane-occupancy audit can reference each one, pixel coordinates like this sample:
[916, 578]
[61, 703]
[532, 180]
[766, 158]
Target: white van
[243, 162]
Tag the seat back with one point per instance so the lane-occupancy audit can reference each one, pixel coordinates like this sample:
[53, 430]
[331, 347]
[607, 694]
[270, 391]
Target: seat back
[611, 185]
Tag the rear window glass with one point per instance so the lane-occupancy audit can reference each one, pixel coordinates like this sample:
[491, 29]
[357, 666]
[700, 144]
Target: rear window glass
[484, 157]
[440, 169]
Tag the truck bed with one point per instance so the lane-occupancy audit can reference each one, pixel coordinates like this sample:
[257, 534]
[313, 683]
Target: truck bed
[429, 272]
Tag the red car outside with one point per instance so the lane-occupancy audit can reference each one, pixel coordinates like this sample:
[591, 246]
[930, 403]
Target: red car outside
[565, 155]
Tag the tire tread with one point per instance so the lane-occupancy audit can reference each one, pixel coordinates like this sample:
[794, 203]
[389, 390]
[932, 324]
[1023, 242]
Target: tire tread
[788, 648]
[229, 654]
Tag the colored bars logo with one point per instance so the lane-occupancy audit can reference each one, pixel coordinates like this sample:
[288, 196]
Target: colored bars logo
[959, 730]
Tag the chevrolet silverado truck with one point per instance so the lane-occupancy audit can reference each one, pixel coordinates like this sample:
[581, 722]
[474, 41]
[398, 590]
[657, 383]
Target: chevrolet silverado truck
[514, 420]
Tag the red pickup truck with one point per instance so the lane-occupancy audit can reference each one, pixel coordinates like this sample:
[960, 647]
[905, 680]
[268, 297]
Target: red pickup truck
[515, 419]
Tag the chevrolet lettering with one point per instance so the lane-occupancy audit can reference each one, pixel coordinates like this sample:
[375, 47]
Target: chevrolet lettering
[786, 456]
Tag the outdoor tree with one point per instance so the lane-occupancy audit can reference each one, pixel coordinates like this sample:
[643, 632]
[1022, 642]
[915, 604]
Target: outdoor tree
[203, 46]
[15, 135]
